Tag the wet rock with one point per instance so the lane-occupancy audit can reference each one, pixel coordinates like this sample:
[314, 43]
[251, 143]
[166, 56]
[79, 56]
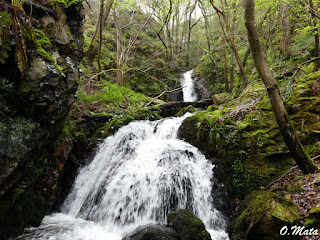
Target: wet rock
[188, 226]
[153, 232]
[33, 112]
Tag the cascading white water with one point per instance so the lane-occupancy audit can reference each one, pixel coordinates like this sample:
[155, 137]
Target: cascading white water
[137, 177]
[189, 93]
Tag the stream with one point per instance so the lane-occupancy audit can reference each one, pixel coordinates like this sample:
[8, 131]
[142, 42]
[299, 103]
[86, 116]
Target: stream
[138, 176]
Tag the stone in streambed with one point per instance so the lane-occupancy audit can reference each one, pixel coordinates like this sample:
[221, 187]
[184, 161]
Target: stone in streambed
[153, 232]
[188, 225]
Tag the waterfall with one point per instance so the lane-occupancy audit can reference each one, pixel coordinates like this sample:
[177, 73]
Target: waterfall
[189, 93]
[138, 176]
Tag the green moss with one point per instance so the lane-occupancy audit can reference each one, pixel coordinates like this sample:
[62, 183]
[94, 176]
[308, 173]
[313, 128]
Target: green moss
[116, 123]
[42, 39]
[265, 210]
[46, 55]
[190, 109]
[5, 24]
[313, 218]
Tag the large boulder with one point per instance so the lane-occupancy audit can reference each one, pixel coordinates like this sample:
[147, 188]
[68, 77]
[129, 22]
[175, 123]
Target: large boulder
[153, 232]
[188, 225]
[267, 213]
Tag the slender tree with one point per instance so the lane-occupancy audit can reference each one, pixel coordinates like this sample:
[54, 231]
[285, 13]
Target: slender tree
[289, 135]
[231, 41]
[316, 36]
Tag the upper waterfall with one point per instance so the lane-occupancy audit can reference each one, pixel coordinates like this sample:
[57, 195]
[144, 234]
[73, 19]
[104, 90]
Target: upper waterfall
[189, 93]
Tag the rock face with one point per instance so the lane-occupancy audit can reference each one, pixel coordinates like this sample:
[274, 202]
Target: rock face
[202, 91]
[153, 232]
[33, 111]
[188, 226]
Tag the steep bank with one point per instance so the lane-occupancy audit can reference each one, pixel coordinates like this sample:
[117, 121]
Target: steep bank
[34, 105]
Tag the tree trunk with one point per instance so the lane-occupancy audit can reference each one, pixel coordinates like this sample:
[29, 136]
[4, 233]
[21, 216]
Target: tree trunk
[93, 50]
[225, 68]
[232, 44]
[247, 53]
[119, 52]
[100, 38]
[231, 71]
[206, 21]
[316, 38]
[289, 135]
[286, 38]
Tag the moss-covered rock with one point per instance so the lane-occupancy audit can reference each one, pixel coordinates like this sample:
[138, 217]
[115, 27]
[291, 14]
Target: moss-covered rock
[154, 232]
[264, 216]
[221, 98]
[188, 226]
[312, 220]
[111, 127]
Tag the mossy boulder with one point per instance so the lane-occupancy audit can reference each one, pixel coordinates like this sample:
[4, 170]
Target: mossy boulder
[188, 226]
[221, 98]
[153, 232]
[312, 220]
[264, 216]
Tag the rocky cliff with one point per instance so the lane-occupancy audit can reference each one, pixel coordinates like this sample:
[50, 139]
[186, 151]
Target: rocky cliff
[34, 104]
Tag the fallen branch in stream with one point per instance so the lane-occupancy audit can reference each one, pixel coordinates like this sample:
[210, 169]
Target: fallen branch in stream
[161, 94]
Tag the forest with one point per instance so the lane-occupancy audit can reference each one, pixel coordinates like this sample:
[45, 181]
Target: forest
[159, 119]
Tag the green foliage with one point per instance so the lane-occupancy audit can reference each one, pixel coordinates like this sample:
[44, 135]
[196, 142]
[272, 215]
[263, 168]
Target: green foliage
[237, 174]
[5, 23]
[66, 3]
[307, 69]
[68, 129]
[41, 38]
[110, 97]
[16, 193]
[46, 55]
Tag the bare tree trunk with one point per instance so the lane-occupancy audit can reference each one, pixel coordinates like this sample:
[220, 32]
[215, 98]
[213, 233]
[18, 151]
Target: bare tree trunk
[231, 71]
[289, 135]
[119, 50]
[247, 53]
[232, 44]
[92, 50]
[316, 38]
[204, 13]
[100, 38]
[225, 67]
[286, 38]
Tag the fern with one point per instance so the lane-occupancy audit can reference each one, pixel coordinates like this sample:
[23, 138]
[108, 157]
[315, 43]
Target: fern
[308, 69]
[66, 3]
